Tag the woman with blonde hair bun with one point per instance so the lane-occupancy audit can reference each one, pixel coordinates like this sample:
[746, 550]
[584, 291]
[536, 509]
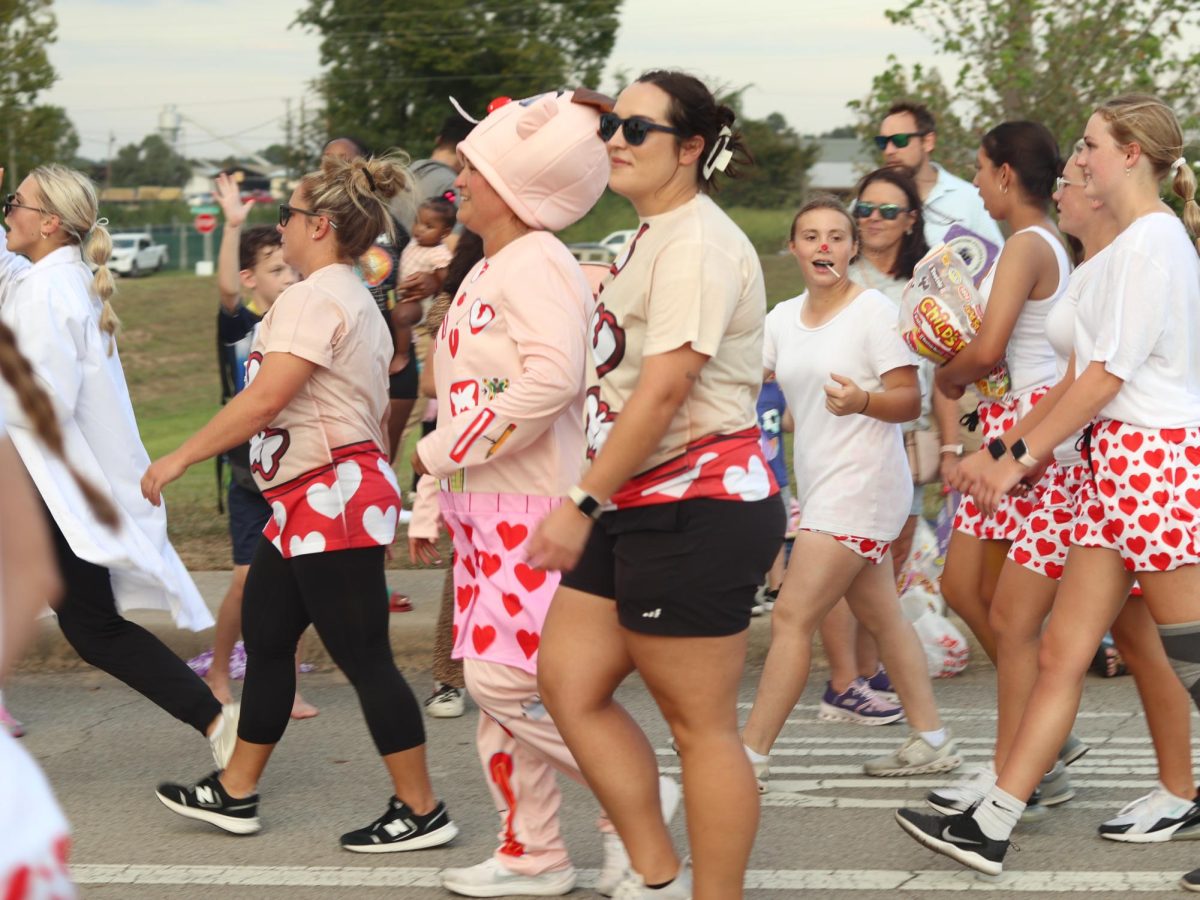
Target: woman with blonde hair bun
[315, 412]
[62, 316]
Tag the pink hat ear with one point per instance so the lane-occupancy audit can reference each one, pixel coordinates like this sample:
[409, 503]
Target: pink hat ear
[536, 117]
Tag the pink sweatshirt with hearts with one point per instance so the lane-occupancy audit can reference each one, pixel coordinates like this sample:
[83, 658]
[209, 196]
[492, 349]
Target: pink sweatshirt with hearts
[510, 362]
[510, 365]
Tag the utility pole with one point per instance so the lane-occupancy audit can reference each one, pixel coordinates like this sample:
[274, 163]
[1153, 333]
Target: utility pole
[112, 144]
[289, 159]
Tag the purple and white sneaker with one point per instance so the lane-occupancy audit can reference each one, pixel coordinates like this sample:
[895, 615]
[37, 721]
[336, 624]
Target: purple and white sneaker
[882, 685]
[858, 704]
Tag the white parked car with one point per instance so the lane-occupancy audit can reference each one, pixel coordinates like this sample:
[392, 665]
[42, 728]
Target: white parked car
[136, 253]
[618, 241]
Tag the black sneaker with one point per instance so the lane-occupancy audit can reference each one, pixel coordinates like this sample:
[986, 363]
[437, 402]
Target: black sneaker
[401, 829]
[958, 837]
[1191, 881]
[209, 802]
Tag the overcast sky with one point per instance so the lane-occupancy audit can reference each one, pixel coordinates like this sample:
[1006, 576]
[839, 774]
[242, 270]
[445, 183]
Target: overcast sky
[228, 65]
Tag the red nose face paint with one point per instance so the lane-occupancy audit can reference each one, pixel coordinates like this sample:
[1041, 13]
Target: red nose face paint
[824, 248]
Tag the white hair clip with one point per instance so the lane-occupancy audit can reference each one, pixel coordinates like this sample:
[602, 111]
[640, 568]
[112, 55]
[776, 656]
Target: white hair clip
[462, 112]
[1177, 165]
[720, 156]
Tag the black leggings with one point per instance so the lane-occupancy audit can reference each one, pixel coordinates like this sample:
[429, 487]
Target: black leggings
[89, 620]
[343, 594]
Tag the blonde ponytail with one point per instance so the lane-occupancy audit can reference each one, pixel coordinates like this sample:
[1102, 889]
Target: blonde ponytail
[1184, 186]
[358, 195]
[15, 370]
[97, 249]
[71, 196]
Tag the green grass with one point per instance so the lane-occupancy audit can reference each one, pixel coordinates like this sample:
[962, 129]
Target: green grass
[168, 349]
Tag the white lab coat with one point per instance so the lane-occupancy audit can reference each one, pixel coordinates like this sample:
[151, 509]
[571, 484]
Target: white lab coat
[50, 307]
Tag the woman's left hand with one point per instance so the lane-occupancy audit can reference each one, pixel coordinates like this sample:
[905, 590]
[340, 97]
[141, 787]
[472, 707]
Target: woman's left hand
[161, 473]
[948, 388]
[995, 483]
[559, 540]
[418, 464]
[844, 398]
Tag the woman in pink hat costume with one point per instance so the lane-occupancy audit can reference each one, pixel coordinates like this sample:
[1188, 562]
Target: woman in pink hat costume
[510, 363]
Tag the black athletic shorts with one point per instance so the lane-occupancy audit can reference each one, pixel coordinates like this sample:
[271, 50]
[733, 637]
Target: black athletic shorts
[405, 384]
[687, 569]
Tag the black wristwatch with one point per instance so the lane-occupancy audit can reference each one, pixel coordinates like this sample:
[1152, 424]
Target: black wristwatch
[1022, 455]
[587, 504]
[996, 448]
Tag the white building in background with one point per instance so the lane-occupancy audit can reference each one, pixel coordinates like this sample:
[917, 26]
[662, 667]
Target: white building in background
[843, 161]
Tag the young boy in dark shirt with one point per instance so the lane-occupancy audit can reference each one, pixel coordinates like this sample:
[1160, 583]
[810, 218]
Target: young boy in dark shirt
[251, 274]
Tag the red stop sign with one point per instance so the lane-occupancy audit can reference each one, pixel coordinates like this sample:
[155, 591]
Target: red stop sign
[205, 223]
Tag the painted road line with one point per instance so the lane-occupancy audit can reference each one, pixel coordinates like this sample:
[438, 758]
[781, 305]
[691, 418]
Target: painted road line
[1118, 772]
[788, 880]
[784, 800]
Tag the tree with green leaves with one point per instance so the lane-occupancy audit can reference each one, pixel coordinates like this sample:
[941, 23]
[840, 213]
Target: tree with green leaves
[391, 65]
[1049, 62]
[32, 133]
[153, 162]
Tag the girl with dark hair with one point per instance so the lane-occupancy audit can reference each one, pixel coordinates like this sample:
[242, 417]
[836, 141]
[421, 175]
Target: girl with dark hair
[667, 534]
[1134, 390]
[1015, 171]
[314, 408]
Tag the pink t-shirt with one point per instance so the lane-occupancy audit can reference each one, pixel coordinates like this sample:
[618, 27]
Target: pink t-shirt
[418, 258]
[510, 361]
[320, 462]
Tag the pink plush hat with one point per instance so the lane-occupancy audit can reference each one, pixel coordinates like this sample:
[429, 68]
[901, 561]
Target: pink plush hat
[543, 156]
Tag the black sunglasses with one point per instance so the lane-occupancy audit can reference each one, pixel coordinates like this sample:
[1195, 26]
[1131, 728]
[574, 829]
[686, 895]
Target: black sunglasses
[900, 140]
[889, 211]
[286, 212]
[10, 203]
[635, 128]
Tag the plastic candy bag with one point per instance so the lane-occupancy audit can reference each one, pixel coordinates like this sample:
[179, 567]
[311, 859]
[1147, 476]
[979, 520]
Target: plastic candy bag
[941, 312]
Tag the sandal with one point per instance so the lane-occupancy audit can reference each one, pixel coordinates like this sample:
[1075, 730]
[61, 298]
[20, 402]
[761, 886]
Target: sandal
[399, 602]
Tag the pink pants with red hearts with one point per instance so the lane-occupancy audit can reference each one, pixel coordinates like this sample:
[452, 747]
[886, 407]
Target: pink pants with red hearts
[500, 600]
[521, 750]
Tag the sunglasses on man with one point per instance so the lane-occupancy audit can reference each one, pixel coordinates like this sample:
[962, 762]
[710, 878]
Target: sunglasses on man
[635, 129]
[900, 139]
[889, 211]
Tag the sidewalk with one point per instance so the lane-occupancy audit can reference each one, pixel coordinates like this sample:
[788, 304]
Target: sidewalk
[411, 632]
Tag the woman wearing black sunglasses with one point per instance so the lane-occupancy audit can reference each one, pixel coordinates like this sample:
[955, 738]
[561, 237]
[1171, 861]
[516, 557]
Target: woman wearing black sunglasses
[678, 517]
[314, 410]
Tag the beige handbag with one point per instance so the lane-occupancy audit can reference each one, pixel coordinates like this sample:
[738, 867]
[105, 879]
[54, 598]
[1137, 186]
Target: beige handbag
[924, 450]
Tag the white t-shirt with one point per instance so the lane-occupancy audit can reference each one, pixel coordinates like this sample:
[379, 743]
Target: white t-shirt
[852, 475]
[1143, 323]
[1029, 355]
[1060, 329]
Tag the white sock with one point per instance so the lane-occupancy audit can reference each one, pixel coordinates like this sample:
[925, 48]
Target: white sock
[756, 758]
[935, 739]
[216, 732]
[998, 814]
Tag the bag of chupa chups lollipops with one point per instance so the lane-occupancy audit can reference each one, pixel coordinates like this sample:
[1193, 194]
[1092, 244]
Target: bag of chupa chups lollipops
[941, 312]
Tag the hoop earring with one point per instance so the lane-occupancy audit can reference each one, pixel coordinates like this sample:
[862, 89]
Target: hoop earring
[1127, 171]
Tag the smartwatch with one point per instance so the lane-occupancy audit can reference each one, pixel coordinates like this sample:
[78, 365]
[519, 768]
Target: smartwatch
[587, 504]
[996, 448]
[1022, 455]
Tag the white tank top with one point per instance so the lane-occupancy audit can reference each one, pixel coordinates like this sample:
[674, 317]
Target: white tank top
[1031, 359]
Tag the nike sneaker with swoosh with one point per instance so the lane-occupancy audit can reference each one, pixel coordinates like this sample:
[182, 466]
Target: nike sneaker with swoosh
[958, 837]
[1158, 816]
